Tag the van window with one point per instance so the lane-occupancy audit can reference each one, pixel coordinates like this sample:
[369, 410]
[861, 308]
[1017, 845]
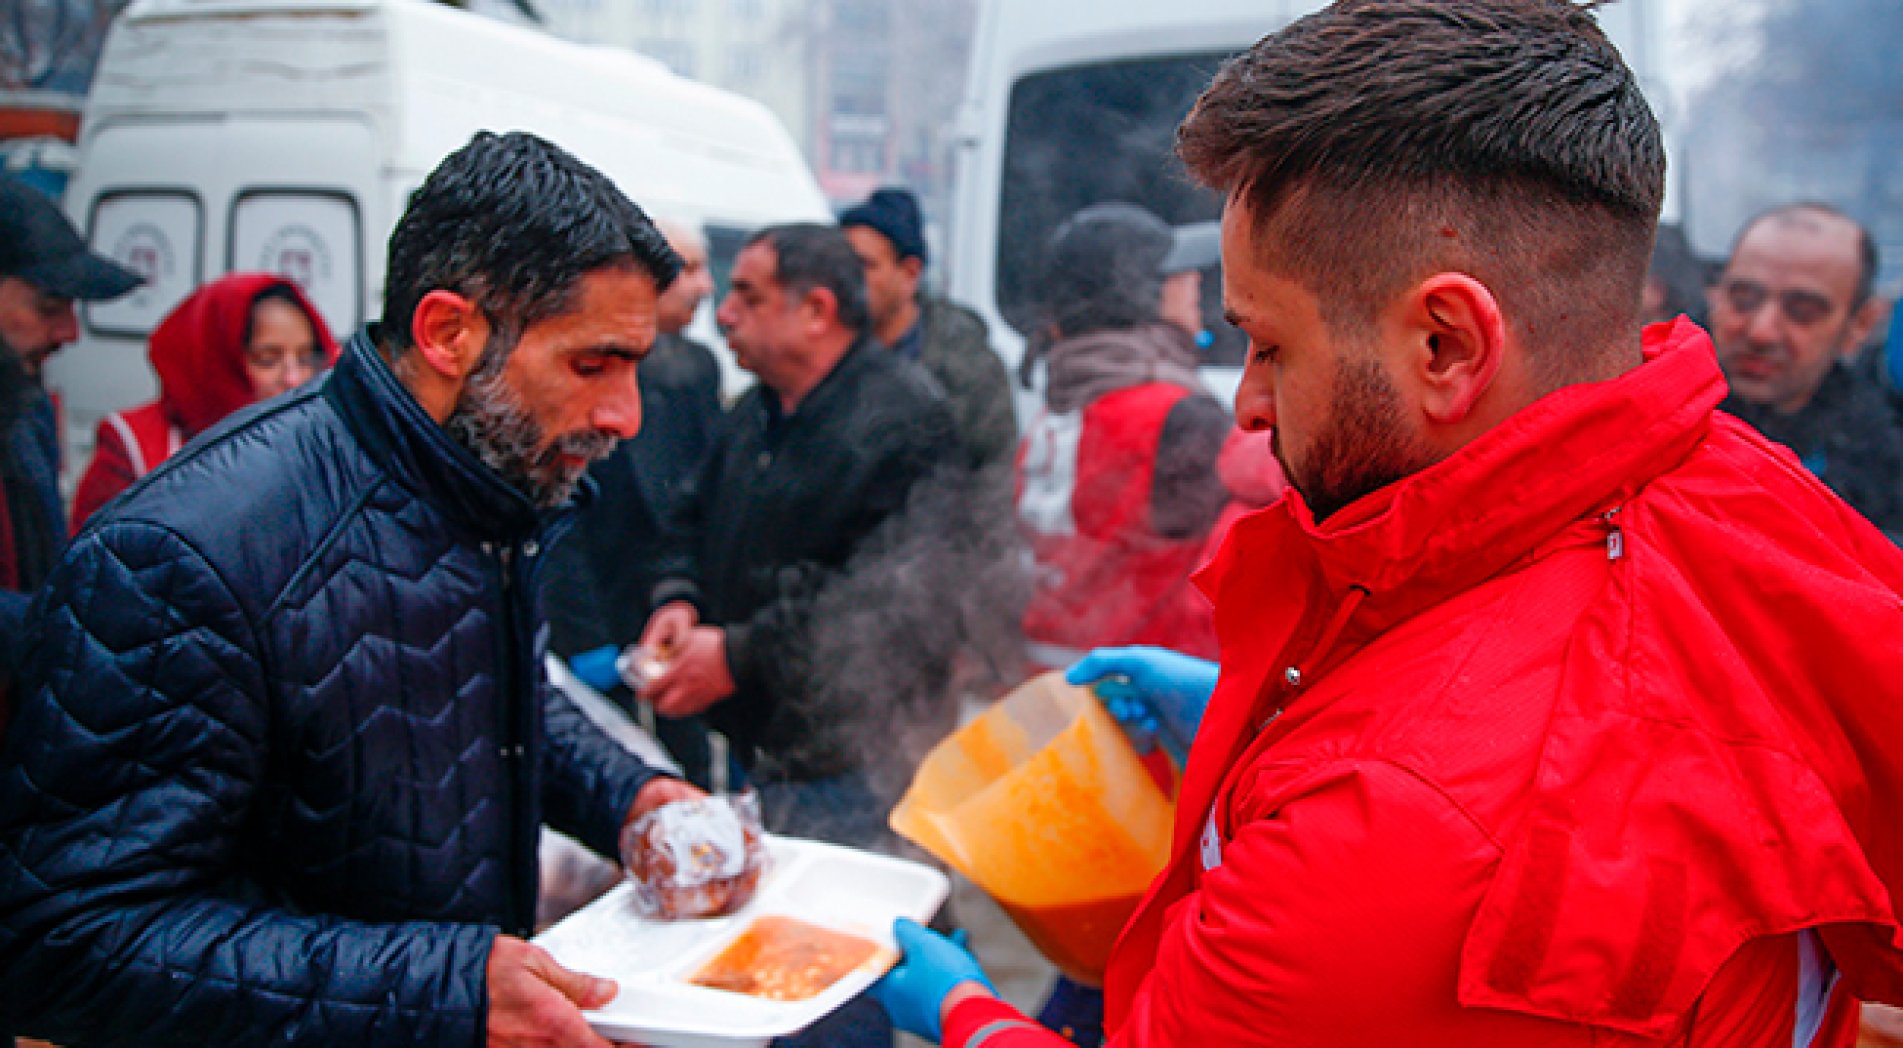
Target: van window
[1089, 134]
[314, 237]
[156, 233]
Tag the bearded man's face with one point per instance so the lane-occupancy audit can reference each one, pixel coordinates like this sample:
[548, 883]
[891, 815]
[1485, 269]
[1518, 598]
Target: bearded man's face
[538, 412]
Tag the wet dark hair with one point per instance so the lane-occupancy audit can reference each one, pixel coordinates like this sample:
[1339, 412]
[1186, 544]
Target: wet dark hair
[1379, 141]
[809, 256]
[514, 223]
[1867, 257]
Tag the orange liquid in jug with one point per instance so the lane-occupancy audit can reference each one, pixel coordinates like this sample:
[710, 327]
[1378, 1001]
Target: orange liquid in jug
[1042, 803]
[1076, 937]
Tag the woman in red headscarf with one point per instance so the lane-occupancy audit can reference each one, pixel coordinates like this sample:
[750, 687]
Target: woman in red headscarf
[240, 339]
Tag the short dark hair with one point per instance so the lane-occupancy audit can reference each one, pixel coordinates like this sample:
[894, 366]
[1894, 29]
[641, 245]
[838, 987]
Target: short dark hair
[1867, 257]
[1379, 141]
[513, 222]
[809, 256]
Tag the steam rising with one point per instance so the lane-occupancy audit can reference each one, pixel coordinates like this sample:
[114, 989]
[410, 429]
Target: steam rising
[926, 612]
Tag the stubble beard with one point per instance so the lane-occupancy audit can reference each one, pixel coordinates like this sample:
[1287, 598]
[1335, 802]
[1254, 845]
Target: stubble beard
[493, 423]
[1363, 447]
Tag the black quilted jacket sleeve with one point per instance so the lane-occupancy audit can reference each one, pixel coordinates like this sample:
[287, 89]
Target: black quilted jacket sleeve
[589, 780]
[126, 914]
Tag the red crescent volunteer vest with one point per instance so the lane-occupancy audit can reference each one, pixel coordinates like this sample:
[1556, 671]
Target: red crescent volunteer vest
[1103, 573]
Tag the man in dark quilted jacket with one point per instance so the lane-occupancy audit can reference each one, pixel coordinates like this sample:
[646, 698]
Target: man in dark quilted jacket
[282, 745]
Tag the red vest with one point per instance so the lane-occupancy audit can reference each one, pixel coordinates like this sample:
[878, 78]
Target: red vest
[129, 445]
[148, 437]
[1104, 575]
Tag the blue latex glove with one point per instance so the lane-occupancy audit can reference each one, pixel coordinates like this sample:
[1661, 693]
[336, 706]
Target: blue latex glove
[596, 667]
[1156, 694]
[914, 991]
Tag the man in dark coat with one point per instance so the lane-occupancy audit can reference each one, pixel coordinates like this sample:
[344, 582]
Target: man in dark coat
[1788, 316]
[811, 612]
[44, 268]
[805, 501]
[283, 744]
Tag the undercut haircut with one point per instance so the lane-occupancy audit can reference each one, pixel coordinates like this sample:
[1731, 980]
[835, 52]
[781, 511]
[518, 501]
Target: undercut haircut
[809, 256]
[1867, 258]
[1378, 142]
[513, 223]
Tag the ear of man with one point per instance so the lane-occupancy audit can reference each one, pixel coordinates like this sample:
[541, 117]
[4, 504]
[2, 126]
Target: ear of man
[819, 307]
[1458, 346]
[1863, 321]
[447, 334]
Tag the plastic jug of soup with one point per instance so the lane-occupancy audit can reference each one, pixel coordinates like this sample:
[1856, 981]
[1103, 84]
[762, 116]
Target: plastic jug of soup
[1044, 805]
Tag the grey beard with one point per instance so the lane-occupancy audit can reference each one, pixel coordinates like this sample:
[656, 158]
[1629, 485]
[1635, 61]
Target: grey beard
[493, 423]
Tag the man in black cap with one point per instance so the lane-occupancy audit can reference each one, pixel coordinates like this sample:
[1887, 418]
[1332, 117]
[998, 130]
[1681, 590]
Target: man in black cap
[948, 340]
[44, 268]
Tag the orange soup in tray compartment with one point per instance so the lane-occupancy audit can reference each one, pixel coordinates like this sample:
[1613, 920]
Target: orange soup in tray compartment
[785, 959]
[1043, 804]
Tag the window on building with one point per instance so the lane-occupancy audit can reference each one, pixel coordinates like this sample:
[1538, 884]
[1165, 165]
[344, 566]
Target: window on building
[859, 83]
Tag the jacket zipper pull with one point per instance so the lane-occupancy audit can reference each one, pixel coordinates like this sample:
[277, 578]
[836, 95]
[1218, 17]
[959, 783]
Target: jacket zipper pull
[1615, 536]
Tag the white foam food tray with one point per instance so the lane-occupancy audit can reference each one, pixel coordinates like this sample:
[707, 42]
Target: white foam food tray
[844, 889]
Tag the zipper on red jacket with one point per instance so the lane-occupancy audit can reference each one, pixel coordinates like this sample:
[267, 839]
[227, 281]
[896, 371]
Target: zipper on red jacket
[1615, 535]
[1295, 675]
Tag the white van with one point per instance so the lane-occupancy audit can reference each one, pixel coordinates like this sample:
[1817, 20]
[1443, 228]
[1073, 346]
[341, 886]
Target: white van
[286, 135]
[1076, 102]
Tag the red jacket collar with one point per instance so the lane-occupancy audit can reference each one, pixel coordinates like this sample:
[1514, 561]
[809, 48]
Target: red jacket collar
[1572, 453]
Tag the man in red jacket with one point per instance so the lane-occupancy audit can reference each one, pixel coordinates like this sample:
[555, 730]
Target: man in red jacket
[1555, 707]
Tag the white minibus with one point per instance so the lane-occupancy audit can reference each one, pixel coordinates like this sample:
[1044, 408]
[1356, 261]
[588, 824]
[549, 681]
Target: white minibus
[286, 135]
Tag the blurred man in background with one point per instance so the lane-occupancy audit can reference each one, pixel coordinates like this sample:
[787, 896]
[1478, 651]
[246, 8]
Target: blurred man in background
[1789, 314]
[816, 465]
[44, 268]
[788, 617]
[949, 341]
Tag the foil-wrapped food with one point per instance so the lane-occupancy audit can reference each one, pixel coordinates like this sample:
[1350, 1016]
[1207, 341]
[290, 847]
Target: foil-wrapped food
[696, 858]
